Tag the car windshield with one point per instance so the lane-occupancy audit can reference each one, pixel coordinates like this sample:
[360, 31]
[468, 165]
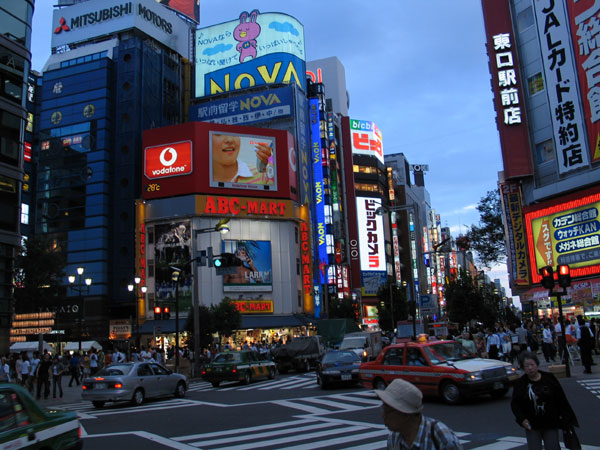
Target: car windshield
[227, 357]
[447, 352]
[353, 343]
[340, 357]
[114, 370]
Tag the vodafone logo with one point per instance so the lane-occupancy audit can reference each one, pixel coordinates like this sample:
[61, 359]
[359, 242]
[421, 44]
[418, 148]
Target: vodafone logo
[168, 160]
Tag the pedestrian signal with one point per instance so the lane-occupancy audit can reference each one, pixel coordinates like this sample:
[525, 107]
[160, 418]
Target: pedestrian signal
[157, 313]
[547, 277]
[564, 275]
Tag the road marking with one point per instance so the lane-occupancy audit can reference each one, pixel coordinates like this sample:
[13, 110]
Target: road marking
[301, 407]
[145, 435]
[289, 424]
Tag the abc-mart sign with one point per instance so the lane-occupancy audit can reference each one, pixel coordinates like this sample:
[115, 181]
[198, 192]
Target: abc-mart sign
[87, 20]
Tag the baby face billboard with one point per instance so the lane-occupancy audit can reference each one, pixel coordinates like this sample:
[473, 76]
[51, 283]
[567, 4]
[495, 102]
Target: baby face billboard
[254, 272]
[242, 161]
[256, 49]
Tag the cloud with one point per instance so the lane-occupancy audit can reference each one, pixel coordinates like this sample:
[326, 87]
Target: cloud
[284, 27]
[219, 48]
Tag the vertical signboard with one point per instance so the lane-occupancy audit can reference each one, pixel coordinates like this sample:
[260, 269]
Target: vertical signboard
[584, 16]
[561, 80]
[515, 233]
[508, 92]
[319, 191]
[372, 244]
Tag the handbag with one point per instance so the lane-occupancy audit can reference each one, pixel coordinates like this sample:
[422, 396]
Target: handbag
[570, 439]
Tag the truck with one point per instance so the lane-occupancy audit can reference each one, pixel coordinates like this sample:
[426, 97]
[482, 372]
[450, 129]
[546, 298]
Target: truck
[366, 344]
[301, 354]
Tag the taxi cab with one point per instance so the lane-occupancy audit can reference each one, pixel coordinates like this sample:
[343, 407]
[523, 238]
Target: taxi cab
[25, 424]
[443, 368]
[243, 366]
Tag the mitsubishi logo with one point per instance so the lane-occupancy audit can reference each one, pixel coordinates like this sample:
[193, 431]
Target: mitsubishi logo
[62, 27]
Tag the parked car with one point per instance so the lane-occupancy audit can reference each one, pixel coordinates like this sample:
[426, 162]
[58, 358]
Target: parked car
[132, 382]
[25, 424]
[243, 366]
[443, 368]
[338, 366]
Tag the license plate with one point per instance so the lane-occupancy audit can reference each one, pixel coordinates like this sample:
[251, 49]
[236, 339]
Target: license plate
[346, 377]
[498, 385]
[100, 386]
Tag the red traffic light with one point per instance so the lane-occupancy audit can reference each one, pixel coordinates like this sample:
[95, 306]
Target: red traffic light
[547, 277]
[157, 310]
[167, 310]
[564, 275]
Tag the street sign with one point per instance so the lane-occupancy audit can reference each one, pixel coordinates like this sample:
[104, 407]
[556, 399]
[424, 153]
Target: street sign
[428, 305]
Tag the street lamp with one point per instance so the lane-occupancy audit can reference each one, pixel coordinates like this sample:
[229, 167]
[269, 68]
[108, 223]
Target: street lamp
[130, 288]
[79, 289]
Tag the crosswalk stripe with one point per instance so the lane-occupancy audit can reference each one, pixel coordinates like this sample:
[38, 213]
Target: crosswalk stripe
[303, 385]
[271, 426]
[301, 407]
[349, 398]
[340, 440]
[339, 405]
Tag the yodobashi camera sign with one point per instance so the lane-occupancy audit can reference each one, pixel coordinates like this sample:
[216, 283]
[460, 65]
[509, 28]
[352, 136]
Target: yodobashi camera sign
[254, 50]
[366, 138]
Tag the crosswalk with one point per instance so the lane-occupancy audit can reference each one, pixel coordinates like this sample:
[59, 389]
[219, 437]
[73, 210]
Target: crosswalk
[591, 384]
[314, 432]
[304, 381]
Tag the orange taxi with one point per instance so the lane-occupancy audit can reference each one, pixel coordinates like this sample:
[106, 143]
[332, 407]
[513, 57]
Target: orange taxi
[443, 368]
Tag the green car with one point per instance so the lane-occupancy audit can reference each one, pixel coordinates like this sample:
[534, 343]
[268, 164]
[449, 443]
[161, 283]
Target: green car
[241, 366]
[25, 424]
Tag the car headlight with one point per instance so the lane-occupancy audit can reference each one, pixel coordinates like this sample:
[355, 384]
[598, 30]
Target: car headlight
[510, 370]
[474, 376]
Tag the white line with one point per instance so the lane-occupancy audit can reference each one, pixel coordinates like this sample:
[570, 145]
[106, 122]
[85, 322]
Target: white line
[499, 446]
[351, 398]
[301, 407]
[338, 405]
[334, 441]
[369, 446]
[303, 385]
[243, 430]
[145, 435]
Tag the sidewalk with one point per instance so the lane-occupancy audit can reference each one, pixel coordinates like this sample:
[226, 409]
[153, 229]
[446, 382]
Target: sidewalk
[576, 369]
[70, 394]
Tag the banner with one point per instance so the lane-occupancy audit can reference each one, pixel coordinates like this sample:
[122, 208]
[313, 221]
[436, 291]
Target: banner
[255, 272]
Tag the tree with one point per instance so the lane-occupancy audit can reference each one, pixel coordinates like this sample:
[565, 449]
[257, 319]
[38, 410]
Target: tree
[341, 309]
[390, 312]
[207, 326]
[226, 318]
[39, 274]
[487, 239]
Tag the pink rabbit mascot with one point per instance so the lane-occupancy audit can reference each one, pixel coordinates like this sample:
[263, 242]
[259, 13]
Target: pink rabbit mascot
[246, 33]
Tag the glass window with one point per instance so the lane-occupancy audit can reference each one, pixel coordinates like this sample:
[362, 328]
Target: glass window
[24, 213]
[10, 137]
[535, 83]
[394, 357]
[525, 19]
[14, 29]
[22, 9]
[12, 412]
[159, 370]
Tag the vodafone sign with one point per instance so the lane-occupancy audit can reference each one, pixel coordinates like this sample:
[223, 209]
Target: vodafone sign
[168, 160]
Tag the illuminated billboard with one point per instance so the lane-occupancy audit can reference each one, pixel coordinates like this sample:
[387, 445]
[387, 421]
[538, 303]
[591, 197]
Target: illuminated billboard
[565, 232]
[254, 272]
[224, 160]
[366, 139]
[256, 49]
[190, 8]
[242, 161]
[371, 234]
[319, 189]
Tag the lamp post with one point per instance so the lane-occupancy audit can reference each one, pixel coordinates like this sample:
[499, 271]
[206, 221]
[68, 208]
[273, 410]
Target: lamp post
[79, 289]
[131, 287]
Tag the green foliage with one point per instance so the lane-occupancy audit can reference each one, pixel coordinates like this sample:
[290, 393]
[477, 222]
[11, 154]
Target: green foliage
[207, 326]
[226, 317]
[39, 274]
[341, 309]
[391, 312]
[487, 239]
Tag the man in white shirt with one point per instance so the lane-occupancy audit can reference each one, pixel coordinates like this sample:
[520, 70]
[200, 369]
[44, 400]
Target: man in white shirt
[493, 344]
[547, 343]
[145, 354]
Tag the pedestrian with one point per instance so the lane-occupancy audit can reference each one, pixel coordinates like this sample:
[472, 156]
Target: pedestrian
[35, 361]
[547, 343]
[559, 340]
[93, 361]
[86, 366]
[585, 343]
[58, 370]
[4, 371]
[74, 369]
[540, 405]
[43, 376]
[409, 428]
[493, 344]
[25, 371]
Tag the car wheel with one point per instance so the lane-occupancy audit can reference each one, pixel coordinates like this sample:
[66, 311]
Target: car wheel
[499, 393]
[138, 397]
[180, 390]
[271, 373]
[247, 377]
[379, 384]
[216, 383]
[98, 404]
[450, 393]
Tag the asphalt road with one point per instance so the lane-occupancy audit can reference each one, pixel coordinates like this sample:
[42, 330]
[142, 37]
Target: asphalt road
[292, 412]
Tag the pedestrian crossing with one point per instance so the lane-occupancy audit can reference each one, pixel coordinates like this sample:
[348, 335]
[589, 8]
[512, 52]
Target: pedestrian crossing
[592, 385]
[304, 381]
[306, 433]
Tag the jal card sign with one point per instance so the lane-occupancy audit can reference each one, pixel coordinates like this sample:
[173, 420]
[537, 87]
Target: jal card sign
[566, 233]
[585, 33]
[256, 49]
[366, 139]
[559, 68]
[371, 235]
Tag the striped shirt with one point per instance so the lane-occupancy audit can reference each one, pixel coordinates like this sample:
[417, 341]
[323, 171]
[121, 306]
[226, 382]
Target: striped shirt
[432, 435]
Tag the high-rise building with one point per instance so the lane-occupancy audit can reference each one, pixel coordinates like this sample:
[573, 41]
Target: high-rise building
[543, 60]
[15, 61]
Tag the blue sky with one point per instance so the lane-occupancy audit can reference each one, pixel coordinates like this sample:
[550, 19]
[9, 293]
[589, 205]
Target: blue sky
[419, 70]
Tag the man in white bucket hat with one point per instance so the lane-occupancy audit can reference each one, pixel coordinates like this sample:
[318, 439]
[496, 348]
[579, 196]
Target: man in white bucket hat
[409, 429]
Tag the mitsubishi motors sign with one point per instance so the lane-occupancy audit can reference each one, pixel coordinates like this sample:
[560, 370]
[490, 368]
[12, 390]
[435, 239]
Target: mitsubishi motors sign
[169, 160]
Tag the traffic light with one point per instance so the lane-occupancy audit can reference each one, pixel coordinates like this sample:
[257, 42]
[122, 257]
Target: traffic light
[564, 275]
[157, 313]
[547, 277]
[166, 315]
[226, 260]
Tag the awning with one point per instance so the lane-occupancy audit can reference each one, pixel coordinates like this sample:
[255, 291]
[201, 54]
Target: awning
[161, 326]
[280, 321]
[86, 346]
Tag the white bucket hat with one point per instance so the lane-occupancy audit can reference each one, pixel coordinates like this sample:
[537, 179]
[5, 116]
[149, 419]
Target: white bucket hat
[402, 396]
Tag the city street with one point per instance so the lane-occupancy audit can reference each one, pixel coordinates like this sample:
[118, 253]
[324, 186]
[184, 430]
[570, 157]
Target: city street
[292, 412]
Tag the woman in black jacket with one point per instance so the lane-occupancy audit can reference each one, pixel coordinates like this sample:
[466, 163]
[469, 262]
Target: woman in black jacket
[540, 405]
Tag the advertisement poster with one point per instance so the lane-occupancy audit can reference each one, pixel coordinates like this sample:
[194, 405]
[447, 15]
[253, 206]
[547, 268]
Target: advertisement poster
[172, 248]
[515, 231]
[255, 49]
[190, 8]
[242, 161]
[366, 139]
[255, 271]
